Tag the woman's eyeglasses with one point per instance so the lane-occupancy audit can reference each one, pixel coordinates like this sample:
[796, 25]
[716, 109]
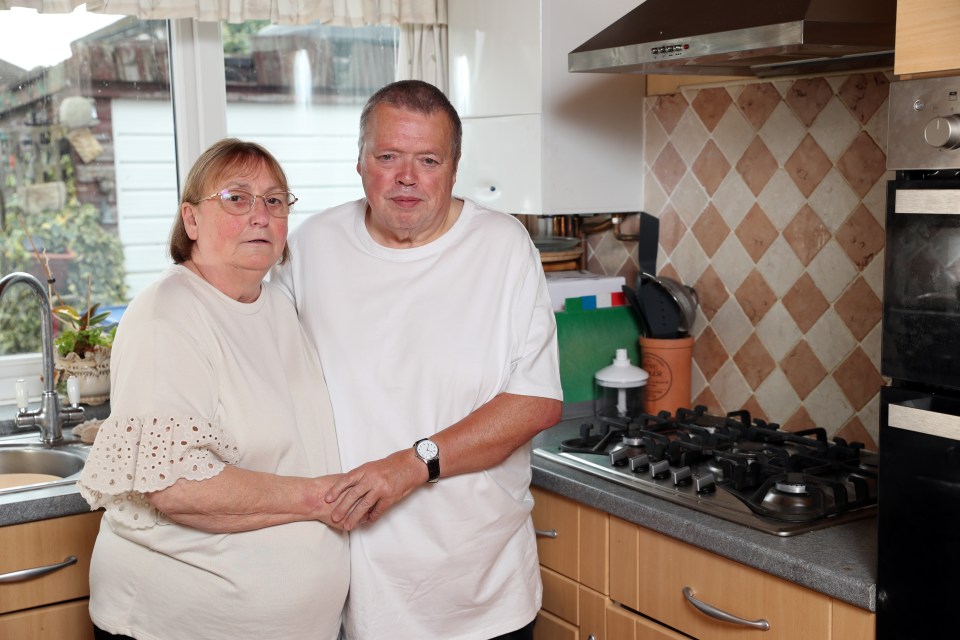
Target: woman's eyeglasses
[238, 202]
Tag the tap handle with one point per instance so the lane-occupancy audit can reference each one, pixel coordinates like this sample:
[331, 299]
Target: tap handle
[22, 401]
[73, 390]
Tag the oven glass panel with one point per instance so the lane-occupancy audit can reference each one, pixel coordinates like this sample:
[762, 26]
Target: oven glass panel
[921, 307]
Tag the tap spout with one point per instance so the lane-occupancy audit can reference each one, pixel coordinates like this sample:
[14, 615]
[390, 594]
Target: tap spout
[51, 417]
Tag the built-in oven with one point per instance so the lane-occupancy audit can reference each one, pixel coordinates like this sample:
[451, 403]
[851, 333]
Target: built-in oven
[919, 471]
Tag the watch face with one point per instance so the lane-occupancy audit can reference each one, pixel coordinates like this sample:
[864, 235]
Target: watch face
[427, 450]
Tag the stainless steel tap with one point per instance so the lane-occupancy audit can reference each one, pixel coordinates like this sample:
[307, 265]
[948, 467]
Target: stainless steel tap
[51, 417]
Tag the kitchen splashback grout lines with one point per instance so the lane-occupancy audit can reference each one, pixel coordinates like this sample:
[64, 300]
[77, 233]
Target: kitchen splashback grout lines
[771, 197]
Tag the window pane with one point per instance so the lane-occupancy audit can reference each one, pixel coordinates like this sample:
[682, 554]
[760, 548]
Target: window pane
[87, 165]
[298, 90]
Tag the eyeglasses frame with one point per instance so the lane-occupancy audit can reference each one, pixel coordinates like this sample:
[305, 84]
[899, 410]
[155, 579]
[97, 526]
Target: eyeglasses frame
[219, 196]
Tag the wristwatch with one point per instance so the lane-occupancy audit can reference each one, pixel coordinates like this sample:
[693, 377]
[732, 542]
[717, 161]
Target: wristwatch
[428, 451]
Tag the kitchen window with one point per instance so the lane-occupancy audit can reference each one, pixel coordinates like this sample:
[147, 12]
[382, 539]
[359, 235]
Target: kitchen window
[93, 140]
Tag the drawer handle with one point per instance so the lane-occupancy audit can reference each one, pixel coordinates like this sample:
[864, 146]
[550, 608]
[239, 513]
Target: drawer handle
[713, 612]
[36, 572]
[546, 533]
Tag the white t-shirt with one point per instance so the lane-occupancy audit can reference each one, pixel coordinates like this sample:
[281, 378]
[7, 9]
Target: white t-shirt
[412, 341]
[201, 379]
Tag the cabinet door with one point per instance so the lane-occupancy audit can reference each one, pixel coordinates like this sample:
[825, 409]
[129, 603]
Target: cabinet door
[559, 516]
[42, 544]
[502, 168]
[67, 621]
[594, 549]
[926, 36]
[853, 623]
[494, 49]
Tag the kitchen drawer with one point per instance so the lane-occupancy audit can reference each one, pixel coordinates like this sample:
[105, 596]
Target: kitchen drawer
[560, 595]
[649, 572]
[66, 621]
[579, 548]
[45, 543]
[550, 627]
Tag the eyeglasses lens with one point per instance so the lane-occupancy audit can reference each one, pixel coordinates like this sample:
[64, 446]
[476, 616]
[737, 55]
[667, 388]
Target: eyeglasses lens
[238, 202]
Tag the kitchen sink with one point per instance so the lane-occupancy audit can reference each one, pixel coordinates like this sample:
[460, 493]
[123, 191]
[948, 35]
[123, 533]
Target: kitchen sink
[26, 466]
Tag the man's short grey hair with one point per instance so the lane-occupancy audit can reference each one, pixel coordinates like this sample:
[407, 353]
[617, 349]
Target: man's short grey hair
[414, 95]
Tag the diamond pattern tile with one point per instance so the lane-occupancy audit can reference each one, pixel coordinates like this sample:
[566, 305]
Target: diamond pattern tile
[754, 362]
[862, 164]
[710, 230]
[708, 353]
[861, 237]
[669, 168]
[808, 165]
[859, 308]
[805, 303]
[669, 109]
[757, 165]
[806, 234]
[855, 431]
[711, 167]
[756, 233]
[757, 102]
[803, 369]
[711, 105]
[672, 230]
[864, 93]
[755, 297]
[858, 378]
[771, 199]
[711, 292]
[808, 97]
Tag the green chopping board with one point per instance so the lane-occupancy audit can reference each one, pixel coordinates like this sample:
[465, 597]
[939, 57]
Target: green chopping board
[589, 341]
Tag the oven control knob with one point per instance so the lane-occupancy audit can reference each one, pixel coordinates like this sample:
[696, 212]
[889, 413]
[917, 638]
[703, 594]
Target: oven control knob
[943, 132]
[660, 469]
[682, 476]
[705, 483]
[618, 457]
[640, 463]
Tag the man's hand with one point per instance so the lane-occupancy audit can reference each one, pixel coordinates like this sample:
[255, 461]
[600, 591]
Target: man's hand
[367, 492]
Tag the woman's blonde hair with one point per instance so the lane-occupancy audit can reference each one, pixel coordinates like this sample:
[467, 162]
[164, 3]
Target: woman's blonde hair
[228, 156]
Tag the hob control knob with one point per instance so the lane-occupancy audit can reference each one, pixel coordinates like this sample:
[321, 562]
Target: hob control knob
[660, 469]
[682, 476]
[640, 463]
[618, 457]
[943, 132]
[705, 483]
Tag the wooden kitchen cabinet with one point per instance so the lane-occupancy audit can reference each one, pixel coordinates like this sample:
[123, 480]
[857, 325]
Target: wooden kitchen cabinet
[52, 606]
[598, 562]
[537, 139]
[926, 36]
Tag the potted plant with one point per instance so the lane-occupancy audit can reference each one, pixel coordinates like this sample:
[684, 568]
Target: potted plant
[82, 349]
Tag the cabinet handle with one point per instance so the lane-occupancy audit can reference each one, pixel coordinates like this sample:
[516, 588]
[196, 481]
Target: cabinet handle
[36, 572]
[546, 533]
[713, 612]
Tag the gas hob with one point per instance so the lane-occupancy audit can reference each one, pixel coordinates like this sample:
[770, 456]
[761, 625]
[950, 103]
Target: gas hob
[733, 467]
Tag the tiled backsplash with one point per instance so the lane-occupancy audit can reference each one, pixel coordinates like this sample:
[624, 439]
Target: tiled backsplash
[771, 200]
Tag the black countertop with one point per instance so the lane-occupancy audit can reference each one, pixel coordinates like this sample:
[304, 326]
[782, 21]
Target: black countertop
[839, 561]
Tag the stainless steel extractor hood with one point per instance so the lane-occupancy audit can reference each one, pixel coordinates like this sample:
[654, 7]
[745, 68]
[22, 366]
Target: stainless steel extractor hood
[743, 38]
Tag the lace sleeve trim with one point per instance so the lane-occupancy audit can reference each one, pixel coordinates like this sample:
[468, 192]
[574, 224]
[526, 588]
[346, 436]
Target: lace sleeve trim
[137, 455]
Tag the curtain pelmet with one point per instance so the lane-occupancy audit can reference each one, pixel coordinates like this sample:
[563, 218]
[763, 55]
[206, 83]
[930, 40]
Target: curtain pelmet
[335, 12]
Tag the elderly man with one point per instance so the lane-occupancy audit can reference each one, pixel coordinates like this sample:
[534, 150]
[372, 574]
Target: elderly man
[438, 342]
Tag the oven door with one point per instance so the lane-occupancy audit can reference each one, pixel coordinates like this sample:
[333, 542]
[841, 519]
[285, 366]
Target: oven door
[918, 522]
[921, 291]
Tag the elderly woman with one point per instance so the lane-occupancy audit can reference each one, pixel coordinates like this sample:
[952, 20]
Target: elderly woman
[214, 461]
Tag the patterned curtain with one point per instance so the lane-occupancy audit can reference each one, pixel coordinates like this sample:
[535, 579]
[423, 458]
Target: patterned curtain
[422, 23]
